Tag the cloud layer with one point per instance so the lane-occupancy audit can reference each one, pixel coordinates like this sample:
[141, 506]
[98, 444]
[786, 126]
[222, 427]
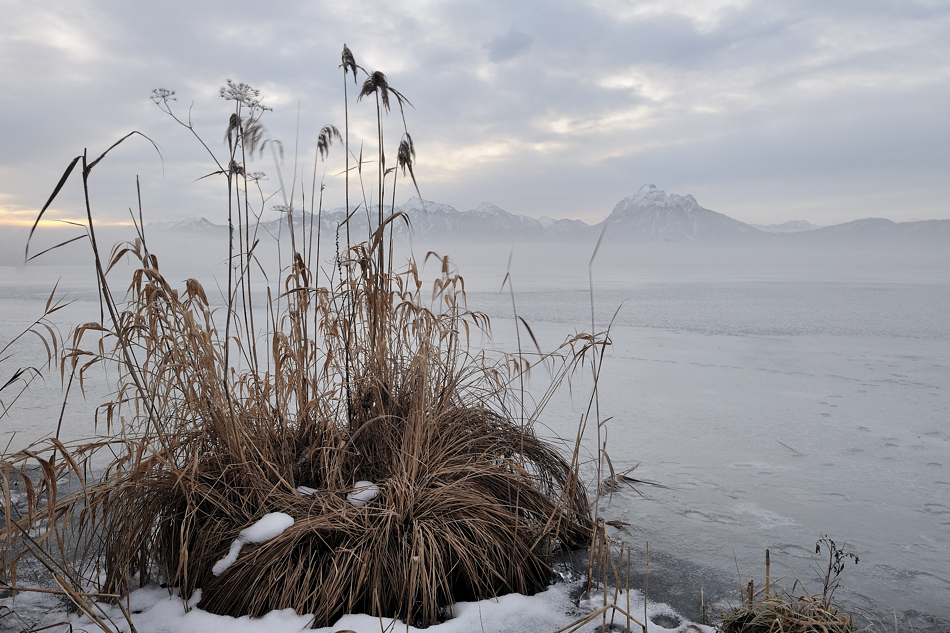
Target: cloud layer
[765, 111]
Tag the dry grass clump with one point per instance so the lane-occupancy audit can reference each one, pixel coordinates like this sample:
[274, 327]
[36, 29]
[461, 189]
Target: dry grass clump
[472, 504]
[790, 614]
[284, 407]
[774, 612]
[803, 614]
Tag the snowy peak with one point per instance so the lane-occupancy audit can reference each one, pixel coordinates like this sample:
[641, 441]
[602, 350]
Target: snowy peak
[651, 215]
[651, 196]
[486, 221]
[649, 199]
[189, 224]
[416, 205]
[487, 208]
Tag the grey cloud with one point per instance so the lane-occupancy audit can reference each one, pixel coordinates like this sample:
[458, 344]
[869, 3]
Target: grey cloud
[880, 135]
[508, 46]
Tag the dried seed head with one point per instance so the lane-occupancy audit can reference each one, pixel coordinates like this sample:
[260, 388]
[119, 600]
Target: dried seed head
[406, 153]
[377, 83]
[325, 140]
[244, 94]
[348, 62]
[162, 95]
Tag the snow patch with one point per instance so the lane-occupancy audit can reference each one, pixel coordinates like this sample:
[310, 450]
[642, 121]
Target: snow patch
[363, 493]
[153, 609]
[269, 526]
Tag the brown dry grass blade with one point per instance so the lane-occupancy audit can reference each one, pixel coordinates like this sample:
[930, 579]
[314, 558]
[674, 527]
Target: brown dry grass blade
[590, 275]
[50, 308]
[16, 376]
[352, 213]
[52, 248]
[379, 233]
[214, 173]
[79, 224]
[531, 334]
[89, 166]
[56, 190]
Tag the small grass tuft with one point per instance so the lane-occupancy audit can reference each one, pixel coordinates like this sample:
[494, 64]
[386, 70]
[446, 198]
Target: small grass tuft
[799, 612]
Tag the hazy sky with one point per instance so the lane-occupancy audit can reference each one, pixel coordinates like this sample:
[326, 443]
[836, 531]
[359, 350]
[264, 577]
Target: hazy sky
[763, 110]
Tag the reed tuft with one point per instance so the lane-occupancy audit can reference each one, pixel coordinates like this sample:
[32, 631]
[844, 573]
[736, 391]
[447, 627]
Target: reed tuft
[768, 611]
[364, 377]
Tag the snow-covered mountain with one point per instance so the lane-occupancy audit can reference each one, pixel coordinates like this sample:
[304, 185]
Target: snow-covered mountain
[189, 224]
[651, 215]
[486, 221]
[431, 220]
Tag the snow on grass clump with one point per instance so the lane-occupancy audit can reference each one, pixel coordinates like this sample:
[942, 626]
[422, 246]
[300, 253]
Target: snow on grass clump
[363, 493]
[268, 527]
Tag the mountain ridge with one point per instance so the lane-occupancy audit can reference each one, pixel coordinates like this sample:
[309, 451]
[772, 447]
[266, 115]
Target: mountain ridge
[650, 215]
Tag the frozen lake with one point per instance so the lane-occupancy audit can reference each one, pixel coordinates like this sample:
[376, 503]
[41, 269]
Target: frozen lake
[773, 441]
[778, 403]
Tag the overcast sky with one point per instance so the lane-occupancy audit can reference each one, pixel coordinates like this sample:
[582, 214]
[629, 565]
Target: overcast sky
[764, 110]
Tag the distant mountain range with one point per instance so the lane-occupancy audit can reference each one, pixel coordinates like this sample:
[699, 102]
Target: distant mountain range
[792, 226]
[650, 215]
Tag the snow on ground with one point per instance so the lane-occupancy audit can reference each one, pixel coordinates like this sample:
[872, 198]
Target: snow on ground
[154, 611]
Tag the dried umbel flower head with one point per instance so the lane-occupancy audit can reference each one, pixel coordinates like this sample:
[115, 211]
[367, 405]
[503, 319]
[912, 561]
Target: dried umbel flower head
[244, 94]
[162, 95]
